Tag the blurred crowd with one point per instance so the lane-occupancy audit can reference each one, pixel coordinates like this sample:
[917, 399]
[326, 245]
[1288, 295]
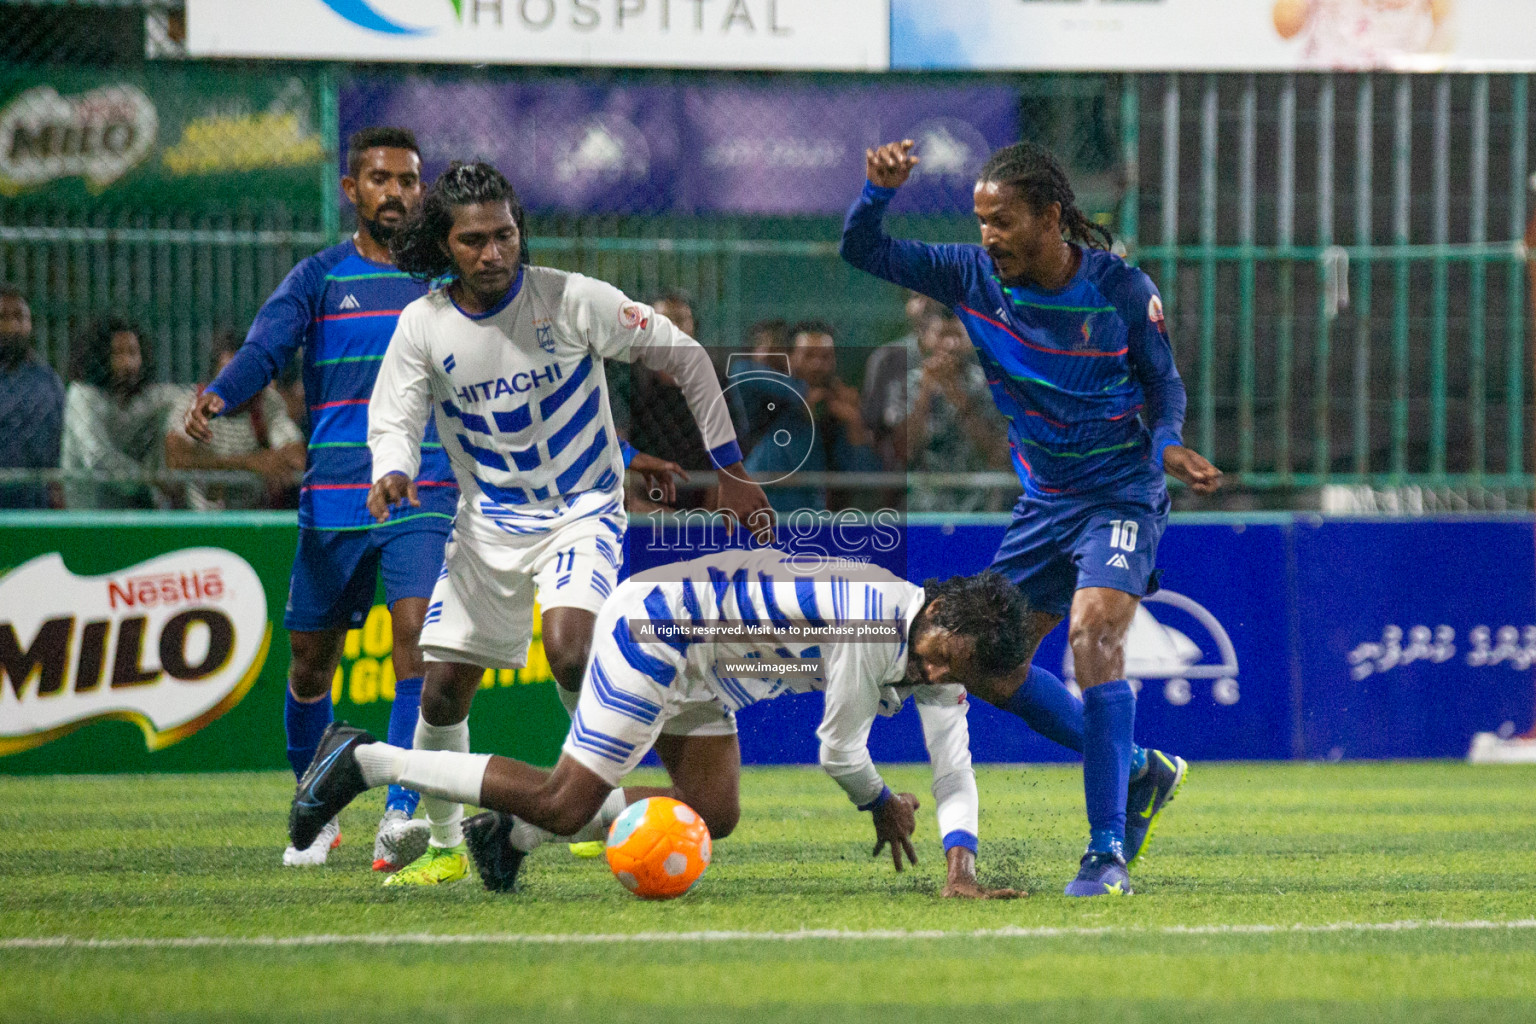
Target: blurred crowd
[800, 404]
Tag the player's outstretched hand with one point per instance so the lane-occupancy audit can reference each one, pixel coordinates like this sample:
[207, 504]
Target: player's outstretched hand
[895, 821]
[388, 491]
[204, 408]
[890, 165]
[743, 501]
[1194, 469]
[961, 883]
[660, 476]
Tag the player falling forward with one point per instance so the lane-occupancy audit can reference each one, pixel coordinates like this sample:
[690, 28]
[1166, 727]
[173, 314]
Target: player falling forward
[672, 695]
[340, 307]
[1076, 351]
[508, 357]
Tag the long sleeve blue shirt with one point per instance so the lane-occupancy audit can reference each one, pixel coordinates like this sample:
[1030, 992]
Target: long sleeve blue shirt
[1084, 375]
[342, 309]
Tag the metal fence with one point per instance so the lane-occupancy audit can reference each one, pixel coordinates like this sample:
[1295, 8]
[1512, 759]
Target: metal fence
[1341, 254]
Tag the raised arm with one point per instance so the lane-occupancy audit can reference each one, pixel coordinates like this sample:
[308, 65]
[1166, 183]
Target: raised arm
[397, 418]
[933, 270]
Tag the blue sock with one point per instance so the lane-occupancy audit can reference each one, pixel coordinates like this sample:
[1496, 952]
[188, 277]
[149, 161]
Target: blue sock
[304, 723]
[1109, 719]
[1049, 708]
[402, 731]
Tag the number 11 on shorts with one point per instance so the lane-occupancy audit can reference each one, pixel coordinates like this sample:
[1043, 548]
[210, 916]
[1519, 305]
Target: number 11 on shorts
[1122, 534]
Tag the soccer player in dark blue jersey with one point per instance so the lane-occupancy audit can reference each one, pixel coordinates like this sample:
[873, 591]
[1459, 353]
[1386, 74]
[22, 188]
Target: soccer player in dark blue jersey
[1075, 347]
[340, 306]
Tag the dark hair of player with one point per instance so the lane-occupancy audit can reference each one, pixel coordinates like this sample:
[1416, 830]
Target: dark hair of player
[364, 139]
[10, 291]
[986, 608]
[420, 247]
[91, 362]
[811, 327]
[1039, 179]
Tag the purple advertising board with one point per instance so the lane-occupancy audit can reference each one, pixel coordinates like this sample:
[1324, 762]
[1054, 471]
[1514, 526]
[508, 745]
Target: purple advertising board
[758, 148]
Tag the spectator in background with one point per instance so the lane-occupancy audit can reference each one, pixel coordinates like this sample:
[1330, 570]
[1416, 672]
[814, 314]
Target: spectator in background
[258, 437]
[31, 406]
[115, 420]
[836, 438]
[952, 424]
[767, 338]
[884, 398]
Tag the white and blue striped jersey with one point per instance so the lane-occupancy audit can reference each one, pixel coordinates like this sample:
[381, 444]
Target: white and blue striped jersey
[520, 396]
[861, 679]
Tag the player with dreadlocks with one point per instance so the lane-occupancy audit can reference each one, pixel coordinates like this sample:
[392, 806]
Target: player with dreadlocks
[508, 359]
[1076, 350]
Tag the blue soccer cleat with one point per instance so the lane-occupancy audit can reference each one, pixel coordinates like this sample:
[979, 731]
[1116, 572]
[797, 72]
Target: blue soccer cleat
[1101, 874]
[1147, 796]
[496, 859]
[332, 780]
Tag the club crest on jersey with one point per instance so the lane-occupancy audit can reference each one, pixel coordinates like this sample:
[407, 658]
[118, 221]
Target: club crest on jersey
[1155, 314]
[632, 316]
[546, 336]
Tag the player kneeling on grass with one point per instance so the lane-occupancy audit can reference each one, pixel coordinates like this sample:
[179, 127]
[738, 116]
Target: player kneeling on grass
[648, 687]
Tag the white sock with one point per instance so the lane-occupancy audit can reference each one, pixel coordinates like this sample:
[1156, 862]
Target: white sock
[445, 774]
[568, 698]
[529, 837]
[381, 763]
[443, 815]
[597, 828]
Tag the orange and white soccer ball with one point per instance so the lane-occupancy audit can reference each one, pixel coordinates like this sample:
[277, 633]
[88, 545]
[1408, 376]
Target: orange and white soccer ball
[658, 848]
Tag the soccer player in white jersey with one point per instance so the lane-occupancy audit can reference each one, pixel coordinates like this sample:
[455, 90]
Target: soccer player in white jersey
[509, 359]
[673, 694]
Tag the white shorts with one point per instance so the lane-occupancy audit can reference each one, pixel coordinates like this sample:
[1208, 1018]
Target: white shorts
[633, 693]
[481, 611]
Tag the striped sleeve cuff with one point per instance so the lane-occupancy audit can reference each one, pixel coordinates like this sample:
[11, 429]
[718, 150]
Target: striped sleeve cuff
[628, 451]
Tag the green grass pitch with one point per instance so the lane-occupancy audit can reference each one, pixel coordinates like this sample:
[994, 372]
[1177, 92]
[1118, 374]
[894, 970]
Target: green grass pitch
[1249, 908]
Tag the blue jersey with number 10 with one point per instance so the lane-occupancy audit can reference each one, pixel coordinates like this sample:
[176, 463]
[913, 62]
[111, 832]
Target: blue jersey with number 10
[1084, 375]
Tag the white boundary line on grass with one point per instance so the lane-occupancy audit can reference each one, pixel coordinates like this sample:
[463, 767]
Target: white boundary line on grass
[832, 934]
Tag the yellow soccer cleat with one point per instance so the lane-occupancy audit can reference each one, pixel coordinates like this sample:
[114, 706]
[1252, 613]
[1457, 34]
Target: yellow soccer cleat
[595, 848]
[440, 865]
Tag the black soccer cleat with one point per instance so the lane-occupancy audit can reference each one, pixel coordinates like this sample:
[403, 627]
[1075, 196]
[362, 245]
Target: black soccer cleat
[497, 860]
[1147, 796]
[332, 780]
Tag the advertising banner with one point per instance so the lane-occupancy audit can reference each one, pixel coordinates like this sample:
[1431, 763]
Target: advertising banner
[154, 642]
[1215, 35]
[157, 137]
[721, 148]
[849, 35]
[1273, 637]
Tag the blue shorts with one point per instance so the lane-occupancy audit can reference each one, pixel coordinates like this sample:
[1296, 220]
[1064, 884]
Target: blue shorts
[334, 571]
[1056, 546]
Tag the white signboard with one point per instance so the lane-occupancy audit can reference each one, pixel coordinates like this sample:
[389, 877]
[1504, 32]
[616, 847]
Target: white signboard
[1215, 35]
[171, 644]
[850, 35]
